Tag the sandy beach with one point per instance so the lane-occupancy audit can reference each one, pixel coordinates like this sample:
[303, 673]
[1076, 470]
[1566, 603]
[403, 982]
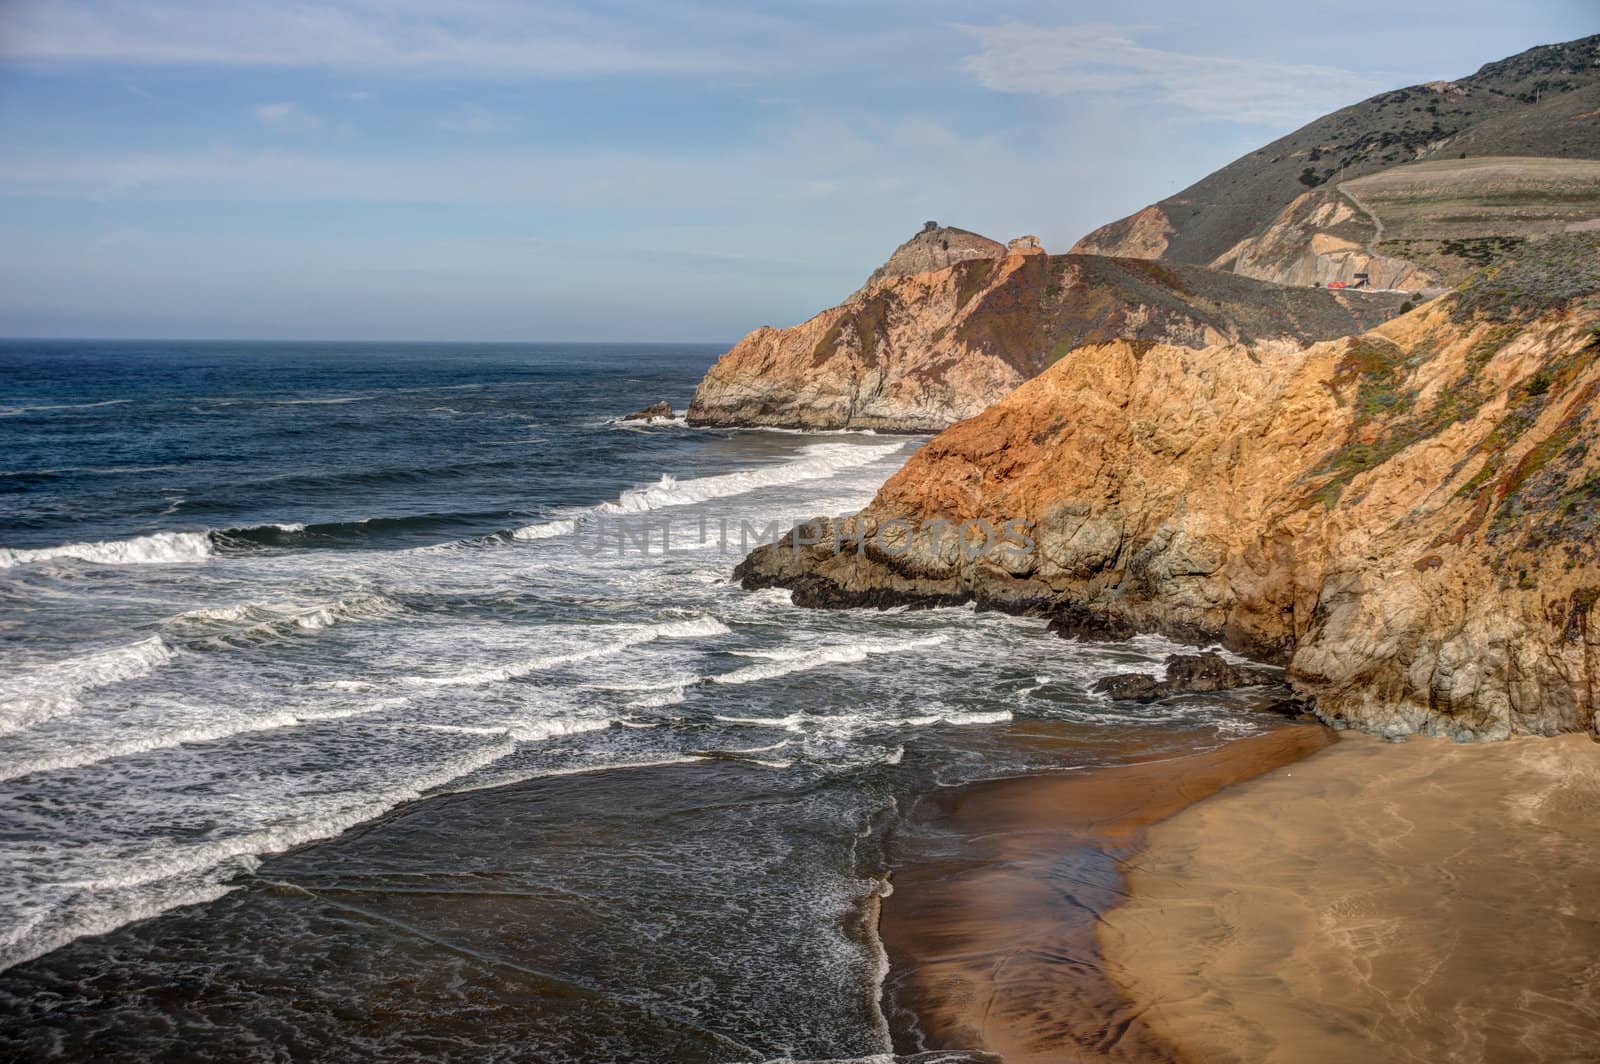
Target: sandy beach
[999, 887]
[1415, 902]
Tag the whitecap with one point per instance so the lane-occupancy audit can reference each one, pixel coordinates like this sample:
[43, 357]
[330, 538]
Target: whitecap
[51, 690]
[159, 548]
[784, 662]
[816, 462]
[620, 638]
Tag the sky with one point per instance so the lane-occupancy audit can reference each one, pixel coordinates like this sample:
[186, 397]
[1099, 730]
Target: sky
[631, 171]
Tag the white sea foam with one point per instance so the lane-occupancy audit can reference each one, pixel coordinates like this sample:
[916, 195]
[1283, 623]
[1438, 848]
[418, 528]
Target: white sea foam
[679, 420]
[333, 401]
[260, 621]
[816, 462]
[96, 471]
[51, 690]
[160, 548]
[999, 716]
[34, 940]
[670, 697]
[169, 861]
[784, 662]
[537, 731]
[616, 640]
[90, 753]
[15, 411]
[509, 778]
[166, 876]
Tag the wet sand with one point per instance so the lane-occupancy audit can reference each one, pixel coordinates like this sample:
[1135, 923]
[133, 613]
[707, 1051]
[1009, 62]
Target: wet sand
[1424, 901]
[999, 888]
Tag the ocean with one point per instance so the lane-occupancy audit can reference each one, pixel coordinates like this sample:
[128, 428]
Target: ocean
[387, 701]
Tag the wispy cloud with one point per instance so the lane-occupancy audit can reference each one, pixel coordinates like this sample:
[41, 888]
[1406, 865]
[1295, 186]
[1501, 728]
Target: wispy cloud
[472, 118]
[287, 118]
[484, 37]
[1102, 58]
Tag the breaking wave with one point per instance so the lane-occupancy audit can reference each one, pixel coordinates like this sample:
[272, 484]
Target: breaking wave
[630, 636]
[47, 691]
[817, 462]
[784, 662]
[166, 876]
[255, 622]
[94, 754]
[160, 548]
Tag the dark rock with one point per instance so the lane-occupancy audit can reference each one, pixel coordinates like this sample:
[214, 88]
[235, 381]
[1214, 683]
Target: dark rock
[1294, 707]
[1074, 621]
[1132, 687]
[1194, 673]
[655, 410]
[1188, 674]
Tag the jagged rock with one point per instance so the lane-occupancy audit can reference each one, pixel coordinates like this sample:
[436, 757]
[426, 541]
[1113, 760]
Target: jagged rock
[654, 410]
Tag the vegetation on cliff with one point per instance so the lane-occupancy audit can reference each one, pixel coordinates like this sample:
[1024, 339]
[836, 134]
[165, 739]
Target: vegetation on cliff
[1261, 214]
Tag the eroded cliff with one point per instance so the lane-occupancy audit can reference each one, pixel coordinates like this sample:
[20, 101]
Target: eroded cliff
[1406, 518]
[916, 350]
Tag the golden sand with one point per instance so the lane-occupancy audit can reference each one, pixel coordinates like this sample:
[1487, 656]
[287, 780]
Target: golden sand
[998, 887]
[1417, 902]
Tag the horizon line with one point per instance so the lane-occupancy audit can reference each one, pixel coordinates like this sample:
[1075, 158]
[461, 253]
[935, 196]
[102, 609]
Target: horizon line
[349, 340]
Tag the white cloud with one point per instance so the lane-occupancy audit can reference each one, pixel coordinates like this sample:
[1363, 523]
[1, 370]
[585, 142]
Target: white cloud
[1102, 58]
[287, 118]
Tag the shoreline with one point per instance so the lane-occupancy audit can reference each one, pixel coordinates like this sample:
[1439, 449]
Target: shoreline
[1426, 901]
[999, 887]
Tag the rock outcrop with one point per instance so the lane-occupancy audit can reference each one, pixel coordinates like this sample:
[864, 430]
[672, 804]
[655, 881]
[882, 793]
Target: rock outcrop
[917, 351]
[1185, 674]
[651, 412]
[1541, 104]
[1408, 519]
[935, 248]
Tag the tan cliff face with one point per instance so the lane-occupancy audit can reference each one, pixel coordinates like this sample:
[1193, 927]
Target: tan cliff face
[917, 351]
[1408, 518]
[1322, 238]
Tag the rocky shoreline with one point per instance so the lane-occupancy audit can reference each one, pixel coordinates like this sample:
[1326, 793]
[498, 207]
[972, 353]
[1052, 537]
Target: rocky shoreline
[1405, 519]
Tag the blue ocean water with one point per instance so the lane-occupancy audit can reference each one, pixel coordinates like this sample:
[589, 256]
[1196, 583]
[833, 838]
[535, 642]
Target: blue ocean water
[322, 700]
[364, 444]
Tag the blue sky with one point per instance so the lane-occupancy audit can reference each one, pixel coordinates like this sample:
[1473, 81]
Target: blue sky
[624, 171]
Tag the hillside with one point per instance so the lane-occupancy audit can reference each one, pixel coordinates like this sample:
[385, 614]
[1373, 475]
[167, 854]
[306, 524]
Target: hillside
[1421, 226]
[914, 351]
[1407, 519]
[1541, 104]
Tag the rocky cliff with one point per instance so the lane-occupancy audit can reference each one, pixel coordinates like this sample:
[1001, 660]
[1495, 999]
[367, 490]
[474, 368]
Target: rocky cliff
[954, 322]
[1260, 213]
[1407, 519]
